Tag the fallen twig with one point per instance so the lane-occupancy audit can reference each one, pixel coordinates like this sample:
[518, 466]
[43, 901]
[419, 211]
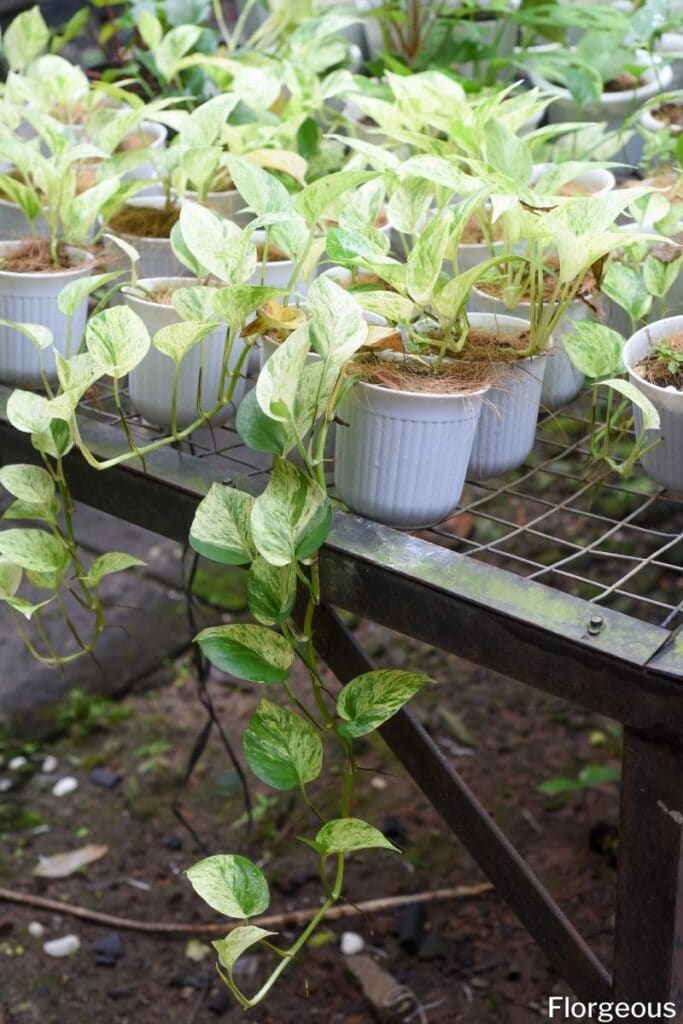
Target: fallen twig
[294, 917]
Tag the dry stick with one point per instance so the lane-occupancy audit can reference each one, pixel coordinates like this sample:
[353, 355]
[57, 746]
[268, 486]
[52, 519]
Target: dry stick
[460, 892]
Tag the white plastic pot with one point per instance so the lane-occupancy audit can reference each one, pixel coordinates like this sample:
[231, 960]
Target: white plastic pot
[147, 169]
[649, 123]
[157, 258]
[13, 223]
[596, 181]
[664, 462]
[32, 298]
[562, 382]
[612, 108]
[401, 456]
[151, 382]
[507, 425]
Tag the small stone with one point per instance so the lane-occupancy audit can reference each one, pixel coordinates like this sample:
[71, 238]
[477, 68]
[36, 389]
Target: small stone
[64, 786]
[5, 785]
[17, 763]
[36, 929]
[49, 765]
[108, 949]
[104, 777]
[219, 1001]
[351, 943]
[173, 842]
[377, 782]
[246, 966]
[67, 945]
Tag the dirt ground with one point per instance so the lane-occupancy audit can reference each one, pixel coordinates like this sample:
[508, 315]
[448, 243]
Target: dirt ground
[467, 960]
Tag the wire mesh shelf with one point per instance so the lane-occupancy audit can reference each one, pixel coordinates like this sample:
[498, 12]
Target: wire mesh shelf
[616, 543]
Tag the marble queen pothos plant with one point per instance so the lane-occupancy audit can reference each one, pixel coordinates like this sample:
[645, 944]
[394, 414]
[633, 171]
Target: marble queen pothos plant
[278, 535]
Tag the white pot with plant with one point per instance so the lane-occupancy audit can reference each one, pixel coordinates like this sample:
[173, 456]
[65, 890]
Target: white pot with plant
[653, 357]
[408, 419]
[35, 269]
[602, 80]
[146, 223]
[220, 295]
[562, 382]
[169, 394]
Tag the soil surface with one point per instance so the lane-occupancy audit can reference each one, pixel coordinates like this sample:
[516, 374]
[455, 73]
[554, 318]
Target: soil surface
[464, 960]
[145, 221]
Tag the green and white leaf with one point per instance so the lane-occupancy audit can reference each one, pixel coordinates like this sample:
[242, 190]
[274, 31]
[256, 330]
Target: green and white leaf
[595, 350]
[237, 942]
[371, 699]
[282, 749]
[111, 562]
[176, 340]
[346, 835]
[220, 529]
[271, 591]
[28, 483]
[648, 412]
[247, 652]
[34, 550]
[230, 884]
[278, 380]
[292, 517]
[75, 292]
[117, 339]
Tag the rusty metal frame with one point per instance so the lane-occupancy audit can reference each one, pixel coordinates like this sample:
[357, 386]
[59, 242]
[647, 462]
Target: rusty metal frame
[611, 663]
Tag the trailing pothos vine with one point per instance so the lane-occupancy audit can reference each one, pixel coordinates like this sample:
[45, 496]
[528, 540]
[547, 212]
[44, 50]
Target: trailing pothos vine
[278, 535]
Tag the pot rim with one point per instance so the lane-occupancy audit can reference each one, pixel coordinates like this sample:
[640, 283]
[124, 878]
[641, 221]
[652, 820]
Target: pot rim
[42, 275]
[608, 99]
[129, 289]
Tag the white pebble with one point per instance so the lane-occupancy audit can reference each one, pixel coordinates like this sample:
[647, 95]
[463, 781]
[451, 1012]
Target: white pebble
[66, 946]
[377, 782]
[49, 765]
[16, 763]
[351, 943]
[36, 929]
[5, 785]
[65, 786]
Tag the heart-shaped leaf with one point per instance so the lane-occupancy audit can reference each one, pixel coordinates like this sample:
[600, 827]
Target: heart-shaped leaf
[345, 835]
[282, 749]
[292, 517]
[230, 884]
[117, 339]
[28, 483]
[247, 652]
[372, 698]
[220, 529]
[271, 591]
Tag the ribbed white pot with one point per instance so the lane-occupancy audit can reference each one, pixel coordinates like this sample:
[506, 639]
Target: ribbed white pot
[401, 456]
[664, 462]
[507, 425]
[151, 382]
[562, 382]
[157, 258]
[613, 107]
[32, 298]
